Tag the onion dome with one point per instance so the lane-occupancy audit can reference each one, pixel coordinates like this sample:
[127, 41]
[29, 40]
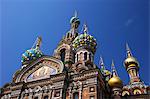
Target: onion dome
[130, 61]
[32, 53]
[114, 81]
[85, 41]
[75, 19]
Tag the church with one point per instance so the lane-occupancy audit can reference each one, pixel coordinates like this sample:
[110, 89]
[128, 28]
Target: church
[70, 73]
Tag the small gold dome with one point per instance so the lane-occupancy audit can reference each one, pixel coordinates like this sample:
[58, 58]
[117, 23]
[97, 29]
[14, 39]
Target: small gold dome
[129, 61]
[115, 82]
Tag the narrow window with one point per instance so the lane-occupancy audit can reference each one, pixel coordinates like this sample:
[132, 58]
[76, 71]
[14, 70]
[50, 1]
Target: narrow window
[68, 35]
[76, 95]
[90, 56]
[62, 55]
[77, 57]
[85, 56]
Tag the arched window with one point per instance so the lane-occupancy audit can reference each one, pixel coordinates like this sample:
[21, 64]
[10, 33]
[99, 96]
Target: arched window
[76, 95]
[77, 57]
[68, 35]
[45, 97]
[85, 56]
[90, 56]
[62, 55]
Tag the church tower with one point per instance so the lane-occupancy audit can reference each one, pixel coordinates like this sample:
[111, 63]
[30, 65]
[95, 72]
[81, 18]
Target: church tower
[115, 84]
[64, 51]
[136, 86]
[132, 66]
[84, 47]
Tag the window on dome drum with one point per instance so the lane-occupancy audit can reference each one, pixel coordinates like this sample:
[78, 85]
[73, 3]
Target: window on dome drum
[90, 56]
[77, 57]
[76, 95]
[62, 55]
[85, 56]
[45, 97]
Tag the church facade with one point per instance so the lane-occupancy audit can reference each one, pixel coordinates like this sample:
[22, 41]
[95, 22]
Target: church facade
[70, 73]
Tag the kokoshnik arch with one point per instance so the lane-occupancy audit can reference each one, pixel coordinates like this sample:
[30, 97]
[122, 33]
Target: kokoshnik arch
[70, 73]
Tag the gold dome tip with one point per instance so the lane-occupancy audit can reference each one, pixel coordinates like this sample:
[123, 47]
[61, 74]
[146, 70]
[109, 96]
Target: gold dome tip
[130, 60]
[115, 82]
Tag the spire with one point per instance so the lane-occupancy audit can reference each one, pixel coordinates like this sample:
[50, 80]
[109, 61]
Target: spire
[114, 72]
[101, 64]
[75, 14]
[129, 54]
[37, 43]
[85, 28]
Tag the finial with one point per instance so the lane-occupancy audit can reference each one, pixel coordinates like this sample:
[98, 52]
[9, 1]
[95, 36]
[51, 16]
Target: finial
[129, 54]
[75, 14]
[101, 63]
[37, 43]
[114, 72]
[85, 28]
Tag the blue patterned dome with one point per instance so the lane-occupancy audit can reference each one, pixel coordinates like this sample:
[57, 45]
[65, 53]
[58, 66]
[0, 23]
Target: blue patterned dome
[31, 54]
[85, 40]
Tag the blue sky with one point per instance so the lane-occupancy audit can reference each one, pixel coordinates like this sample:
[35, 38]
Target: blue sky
[111, 22]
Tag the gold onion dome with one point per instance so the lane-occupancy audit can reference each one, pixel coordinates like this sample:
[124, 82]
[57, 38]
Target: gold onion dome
[85, 41]
[130, 61]
[115, 82]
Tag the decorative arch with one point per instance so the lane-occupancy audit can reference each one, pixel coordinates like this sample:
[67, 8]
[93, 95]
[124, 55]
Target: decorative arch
[62, 51]
[63, 46]
[137, 91]
[42, 65]
[125, 92]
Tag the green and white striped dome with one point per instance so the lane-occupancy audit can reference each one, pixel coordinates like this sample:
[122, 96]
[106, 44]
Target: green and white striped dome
[31, 54]
[85, 40]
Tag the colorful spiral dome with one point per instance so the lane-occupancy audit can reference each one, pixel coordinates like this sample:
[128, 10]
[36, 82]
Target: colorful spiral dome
[31, 54]
[85, 40]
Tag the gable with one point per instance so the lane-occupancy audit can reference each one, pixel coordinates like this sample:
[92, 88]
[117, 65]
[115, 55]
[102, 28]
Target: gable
[40, 69]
